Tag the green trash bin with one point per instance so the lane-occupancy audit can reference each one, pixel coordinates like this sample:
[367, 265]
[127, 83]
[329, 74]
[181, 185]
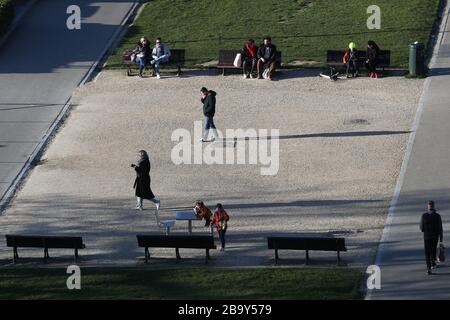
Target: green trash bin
[416, 59]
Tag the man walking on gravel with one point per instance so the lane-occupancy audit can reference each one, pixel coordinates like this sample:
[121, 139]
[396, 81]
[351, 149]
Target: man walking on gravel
[208, 98]
[431, 226]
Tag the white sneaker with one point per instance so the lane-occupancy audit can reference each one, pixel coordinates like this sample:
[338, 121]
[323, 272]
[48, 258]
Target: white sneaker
[158, 76]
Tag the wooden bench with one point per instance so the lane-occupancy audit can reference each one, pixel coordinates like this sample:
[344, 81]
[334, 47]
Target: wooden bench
[306, 243]
[335, 59]
[226, 60]
[46, 242]
[177, 242]
[176, 60]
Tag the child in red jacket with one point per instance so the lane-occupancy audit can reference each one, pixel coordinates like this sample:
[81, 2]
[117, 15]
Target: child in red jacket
[220, 220]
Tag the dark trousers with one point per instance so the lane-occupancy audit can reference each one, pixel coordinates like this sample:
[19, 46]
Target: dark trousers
[371, 66]
[222, 236]
[249, 66]
[352, 67]
[430, 251]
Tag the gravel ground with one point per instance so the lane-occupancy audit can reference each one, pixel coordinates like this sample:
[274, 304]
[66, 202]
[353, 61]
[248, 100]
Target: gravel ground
[340, 152]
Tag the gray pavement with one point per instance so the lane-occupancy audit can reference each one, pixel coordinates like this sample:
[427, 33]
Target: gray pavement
[41, 64]
[427, 176]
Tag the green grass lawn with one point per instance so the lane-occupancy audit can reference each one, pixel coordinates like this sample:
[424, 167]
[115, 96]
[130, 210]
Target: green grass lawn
[302, 29]
[183, 283]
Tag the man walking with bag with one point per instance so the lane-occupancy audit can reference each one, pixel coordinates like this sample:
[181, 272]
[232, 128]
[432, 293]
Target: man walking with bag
[431, 226]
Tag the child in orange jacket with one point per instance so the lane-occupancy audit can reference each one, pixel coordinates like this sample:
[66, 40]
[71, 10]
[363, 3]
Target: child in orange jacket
[220, 220]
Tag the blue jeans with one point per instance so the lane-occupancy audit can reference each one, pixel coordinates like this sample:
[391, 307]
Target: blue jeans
[209, 124]
[142, 62]
[158, 61]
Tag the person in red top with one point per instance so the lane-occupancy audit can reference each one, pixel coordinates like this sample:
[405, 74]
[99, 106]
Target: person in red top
[249, 59]
[220, 220]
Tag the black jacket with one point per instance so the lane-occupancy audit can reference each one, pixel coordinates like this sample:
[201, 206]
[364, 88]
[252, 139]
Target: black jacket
[372, 53]
[273, 51]
[146, 50]
[209, 104]
[142, 182]
[431, 225]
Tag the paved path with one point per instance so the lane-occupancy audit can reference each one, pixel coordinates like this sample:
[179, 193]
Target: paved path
[427, 176]
[40, 66]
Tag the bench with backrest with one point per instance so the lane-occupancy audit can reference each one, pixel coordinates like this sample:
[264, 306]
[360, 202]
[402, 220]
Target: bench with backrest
[226, 60]
[335, 59]
[176, 60]
[45, 242]
[306, 243]
[176, 241]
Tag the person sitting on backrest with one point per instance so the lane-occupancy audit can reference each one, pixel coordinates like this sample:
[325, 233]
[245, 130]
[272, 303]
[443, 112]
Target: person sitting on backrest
[203, 212]
[160, 54]
[351, 60]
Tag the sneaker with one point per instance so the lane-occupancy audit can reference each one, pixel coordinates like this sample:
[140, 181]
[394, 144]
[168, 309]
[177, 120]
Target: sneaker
[433, 266]
[222, 249]
[158, 76]
[429, 272]
[152, 62]
[252, 76]
[259, 77]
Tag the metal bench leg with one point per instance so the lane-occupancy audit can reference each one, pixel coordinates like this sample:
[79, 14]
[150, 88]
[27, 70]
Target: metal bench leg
[76, 255]
[15, 255]
[276, 256]
[223, 71]
[167, 231]
[177, 252]
[307, 257]
[207, 256]
[179, 72]
[129, 71]
[46, 256]
[147, 255]
[338, 258]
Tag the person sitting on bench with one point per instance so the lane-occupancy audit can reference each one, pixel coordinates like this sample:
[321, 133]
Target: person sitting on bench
[351, 60]
[203, 212]
[160, 54]
[266, 59]
[249, 58]
[141, 54]
[372, 58]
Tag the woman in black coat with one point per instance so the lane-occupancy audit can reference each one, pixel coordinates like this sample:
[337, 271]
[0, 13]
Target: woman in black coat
[142, 182]
[372, 58]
